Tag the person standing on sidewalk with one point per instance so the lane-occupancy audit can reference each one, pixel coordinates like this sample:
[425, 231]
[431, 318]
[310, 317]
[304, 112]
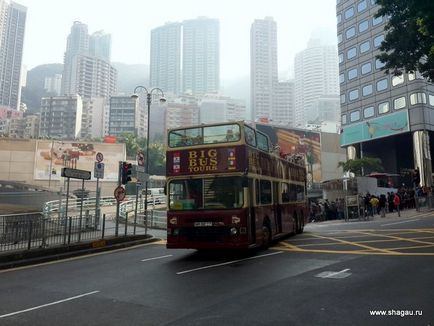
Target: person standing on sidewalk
[382, 205]
[397, 202]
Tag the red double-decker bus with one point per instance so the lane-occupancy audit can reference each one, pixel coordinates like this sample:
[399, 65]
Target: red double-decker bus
[227, 189]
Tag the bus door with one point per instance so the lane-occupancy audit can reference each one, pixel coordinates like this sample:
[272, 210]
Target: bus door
[277, 208]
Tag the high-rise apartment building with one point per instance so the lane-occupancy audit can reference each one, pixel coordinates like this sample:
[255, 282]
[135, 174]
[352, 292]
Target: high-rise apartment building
[87, 70]
[200, 56]
[100, 45]
[283, 109]
[165, 67]
[185, 57]
[61, 117]
[263, 67]
[12, 26]
[316, 75]
[382, 115]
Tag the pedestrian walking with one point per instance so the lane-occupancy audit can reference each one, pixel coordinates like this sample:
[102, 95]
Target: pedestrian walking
[397, 202]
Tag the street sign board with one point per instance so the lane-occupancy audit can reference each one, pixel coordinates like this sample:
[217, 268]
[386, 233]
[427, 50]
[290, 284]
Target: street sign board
[98, 171]
[99, 157]
[140, 159]
[75, 174]
[120, 193]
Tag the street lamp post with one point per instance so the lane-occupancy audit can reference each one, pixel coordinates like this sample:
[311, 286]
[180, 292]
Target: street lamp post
[148, 102]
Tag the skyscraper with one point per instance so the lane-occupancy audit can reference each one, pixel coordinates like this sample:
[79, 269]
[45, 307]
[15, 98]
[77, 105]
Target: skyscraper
[316, 75]
[12, 26]
[201, 56]
[87, 70]
[77, 43]
[263, 66]
[165, 68]
[100, 44]
[383, 116]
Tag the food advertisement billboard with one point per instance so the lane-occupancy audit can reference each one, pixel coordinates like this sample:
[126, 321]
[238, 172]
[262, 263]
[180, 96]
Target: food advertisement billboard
[52, 156]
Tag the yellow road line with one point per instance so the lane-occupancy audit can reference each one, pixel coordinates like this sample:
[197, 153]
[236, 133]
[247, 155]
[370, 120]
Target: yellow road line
[398, 238]
[412, 247]
[358, 252]
[356, 244]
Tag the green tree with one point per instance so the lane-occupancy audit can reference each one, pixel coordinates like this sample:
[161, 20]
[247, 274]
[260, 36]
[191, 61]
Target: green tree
[366, 164]
[409, 41]
[130, 141]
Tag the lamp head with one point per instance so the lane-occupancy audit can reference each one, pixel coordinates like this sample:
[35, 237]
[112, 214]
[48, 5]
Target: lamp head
[134, 96]
[162, 100]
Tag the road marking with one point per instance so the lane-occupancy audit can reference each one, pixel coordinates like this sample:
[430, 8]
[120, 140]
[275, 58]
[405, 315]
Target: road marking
[77, 257]
[227, 263]
[154, 258]
[407, 221]
[48, 304]
[397, 238]
[355, 244]
[342, 274]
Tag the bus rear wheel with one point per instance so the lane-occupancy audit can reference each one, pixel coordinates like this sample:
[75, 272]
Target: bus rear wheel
[266, 236]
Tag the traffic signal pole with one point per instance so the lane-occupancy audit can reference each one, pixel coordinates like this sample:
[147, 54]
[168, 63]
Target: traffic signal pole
[121, 165]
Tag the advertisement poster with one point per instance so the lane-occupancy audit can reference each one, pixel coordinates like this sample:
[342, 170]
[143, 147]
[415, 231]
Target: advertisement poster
[295, 141]
[55, 155]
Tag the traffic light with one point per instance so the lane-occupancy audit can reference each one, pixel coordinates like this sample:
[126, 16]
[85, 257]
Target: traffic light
[126, 172]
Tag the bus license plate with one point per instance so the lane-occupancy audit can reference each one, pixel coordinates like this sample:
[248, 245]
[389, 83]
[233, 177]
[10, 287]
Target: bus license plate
[202, 224]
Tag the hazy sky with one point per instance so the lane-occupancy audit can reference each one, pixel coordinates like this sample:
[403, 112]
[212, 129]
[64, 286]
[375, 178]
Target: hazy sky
[130, 22]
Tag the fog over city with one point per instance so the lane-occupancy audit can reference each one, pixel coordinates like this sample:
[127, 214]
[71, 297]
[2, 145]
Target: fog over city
[131, 21]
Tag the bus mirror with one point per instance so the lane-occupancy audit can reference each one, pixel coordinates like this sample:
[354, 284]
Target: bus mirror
[244, 181]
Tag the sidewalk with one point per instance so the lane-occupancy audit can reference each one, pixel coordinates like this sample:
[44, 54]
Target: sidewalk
[408, 213]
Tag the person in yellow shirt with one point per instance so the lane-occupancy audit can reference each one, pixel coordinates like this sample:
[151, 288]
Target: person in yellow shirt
[374, 203]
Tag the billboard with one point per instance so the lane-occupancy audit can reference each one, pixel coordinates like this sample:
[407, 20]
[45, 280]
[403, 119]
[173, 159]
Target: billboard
[52, 156]
[297, 141]
[388, 125]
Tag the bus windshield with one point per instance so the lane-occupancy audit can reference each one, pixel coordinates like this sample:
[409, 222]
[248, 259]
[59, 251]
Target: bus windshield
[204, 135]
[206, 193]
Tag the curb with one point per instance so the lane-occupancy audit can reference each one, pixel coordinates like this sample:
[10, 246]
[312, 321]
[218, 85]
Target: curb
[58, 253]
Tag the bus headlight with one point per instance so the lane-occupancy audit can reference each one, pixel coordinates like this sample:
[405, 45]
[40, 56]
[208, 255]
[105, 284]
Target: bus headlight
[173, 220]
[233, 231]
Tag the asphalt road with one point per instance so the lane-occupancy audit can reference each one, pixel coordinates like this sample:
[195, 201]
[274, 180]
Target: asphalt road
[338, 273]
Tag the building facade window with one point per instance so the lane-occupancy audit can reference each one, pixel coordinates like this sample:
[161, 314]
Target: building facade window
[341, 78]
[378, 39]
[417, 98]
[383, 108]
[339, 38]
[382, 85]
[341, 57]
[355, 116]
[366, 68]
[351, 32]
[362, 5]
[379, 64]
[365, 46]
[431, 99]
[351, 53]
[368, 112]
[397, 80]
[353, 95]
[376, 21]
[349, 13]
[352, 73]
[343, 98]
[367, 90]
[399, 103]
[344, 119]
[339, 18]
[363, 26]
